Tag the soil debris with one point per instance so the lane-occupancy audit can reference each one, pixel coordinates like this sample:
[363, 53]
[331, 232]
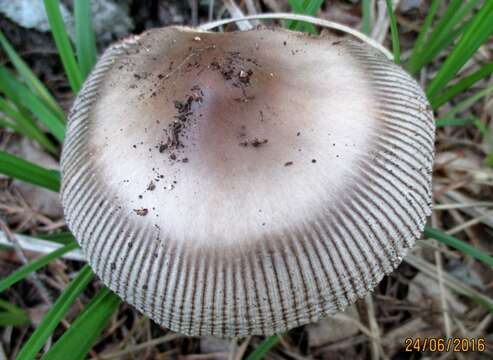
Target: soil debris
[176, 128]
[236, 69]
[255, 142]
[141, 211]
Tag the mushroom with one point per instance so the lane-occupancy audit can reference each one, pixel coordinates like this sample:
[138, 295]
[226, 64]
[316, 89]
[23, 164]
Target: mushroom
[246, 182]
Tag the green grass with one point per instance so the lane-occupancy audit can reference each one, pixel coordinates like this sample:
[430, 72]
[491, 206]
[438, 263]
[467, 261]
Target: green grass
[469, 101]
[21, 169]
[55, 314]
[423, 33]
[304, 7]
[26, 95]
[63, 45]
[451, 241]
[22, 96]
[35, 265]
[25, 102]
[444, 32]
[264, 347]
[11, 315]
[83, 333]
[85, 42]
[19, 120]
[462, 85]
[29, 78]
[366, 17]
[451, 121]
[64, 238]
[476, 33]
[396, 47]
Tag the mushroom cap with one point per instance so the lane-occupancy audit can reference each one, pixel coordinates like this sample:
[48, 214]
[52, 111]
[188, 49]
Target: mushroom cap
[247, 182]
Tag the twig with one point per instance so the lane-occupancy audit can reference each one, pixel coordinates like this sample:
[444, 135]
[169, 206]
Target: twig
[242, 348]
[434, 246]
[443, 298]
[310, 19]
[375, 331]
[469, 223]
[456, 197]
[463, 206]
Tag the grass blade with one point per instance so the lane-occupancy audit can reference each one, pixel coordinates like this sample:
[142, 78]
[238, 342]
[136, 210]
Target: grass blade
[77, 341]
[430, 53]
[63, 238]
[444, 25]
[488, 138]
[466, 8]
[479, 30]
[366, 21]
[420, 41]
[7, 122]
[483, 129]
[22, 96]
[35, 265]
[21, 169]
[311, 8]
[12, 315]
[301, 7]
[435, 39]
[63, 44]
[458, 244]
[461, 86]
[489, 159]
[30, 79]
[10, 125]
[395, 35]
[9, 319]
[55, 314]
[297, 8]
[468, 102]
[85, 41]
[264, 347]
[448, 28]
[26, 126]
[441, 122]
